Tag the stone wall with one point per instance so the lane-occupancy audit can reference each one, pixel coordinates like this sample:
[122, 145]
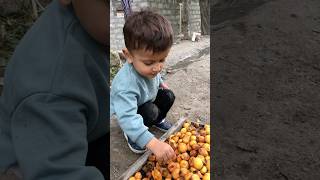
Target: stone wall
[169, 8]
[116, 25]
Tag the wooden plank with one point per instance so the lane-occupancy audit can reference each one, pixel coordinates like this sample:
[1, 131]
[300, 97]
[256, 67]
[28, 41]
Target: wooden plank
[143, 159]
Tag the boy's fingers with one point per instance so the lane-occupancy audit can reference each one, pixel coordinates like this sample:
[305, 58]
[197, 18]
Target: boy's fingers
[173, 155]
[160, 158]
[165, 158]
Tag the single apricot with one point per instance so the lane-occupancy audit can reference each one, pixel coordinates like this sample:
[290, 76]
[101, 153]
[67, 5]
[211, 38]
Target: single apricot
[182, 147]
[186, 125]
[193, 153]
[138, 175]
[206, 176]
[201, 139]
[206, 146]
[193, 137]
[208, 165]
[183, 130]
[207, 138]
[184, 164]
[186, 139]
[188, 133]
[192, 169]
[175, 138]
[172, 166]
[208, 130]
[176, 173]
[203, 152]
[192, 142]
[201, 157]
[197, 163]
[185, 156]
[195, 147]
[195, 177]
[183, 171]
[156, 174]
[188, 176]
[178, 134]
[203, 170]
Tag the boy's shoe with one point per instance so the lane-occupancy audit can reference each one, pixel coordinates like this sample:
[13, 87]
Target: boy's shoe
[164, 125]
[133, 146]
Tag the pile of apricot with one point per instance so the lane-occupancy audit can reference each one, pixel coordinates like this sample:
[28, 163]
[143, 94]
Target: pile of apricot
[192, 147]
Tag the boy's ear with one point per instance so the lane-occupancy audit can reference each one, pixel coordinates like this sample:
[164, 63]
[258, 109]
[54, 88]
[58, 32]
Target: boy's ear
[127, 55]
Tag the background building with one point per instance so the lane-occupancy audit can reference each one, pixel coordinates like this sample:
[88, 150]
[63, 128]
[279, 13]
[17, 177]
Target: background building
[171, 9]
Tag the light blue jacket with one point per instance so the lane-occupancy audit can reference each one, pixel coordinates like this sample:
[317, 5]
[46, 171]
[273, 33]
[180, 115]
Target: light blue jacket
[128, 91]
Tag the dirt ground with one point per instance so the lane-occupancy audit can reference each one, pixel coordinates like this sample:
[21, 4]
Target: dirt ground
[265, 89]
[191, 85]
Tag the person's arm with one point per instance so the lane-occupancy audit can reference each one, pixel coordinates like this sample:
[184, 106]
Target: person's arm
[49, 135]
[162, 84]
[125, 107]
[125, 104]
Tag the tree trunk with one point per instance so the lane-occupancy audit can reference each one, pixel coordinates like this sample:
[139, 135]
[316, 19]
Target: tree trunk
[185, 19]
[205, 16]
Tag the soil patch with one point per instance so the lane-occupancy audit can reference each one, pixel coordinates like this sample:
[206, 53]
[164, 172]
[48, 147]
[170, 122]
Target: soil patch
[266, 84]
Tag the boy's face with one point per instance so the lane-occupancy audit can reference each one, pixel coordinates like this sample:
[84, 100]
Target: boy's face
[146, 63]
[93, 16]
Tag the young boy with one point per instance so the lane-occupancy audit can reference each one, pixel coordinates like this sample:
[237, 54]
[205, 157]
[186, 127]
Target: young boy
[139, 97]
[54, 106]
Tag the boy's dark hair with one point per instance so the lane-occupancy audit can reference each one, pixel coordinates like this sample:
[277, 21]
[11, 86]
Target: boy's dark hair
[147, 30]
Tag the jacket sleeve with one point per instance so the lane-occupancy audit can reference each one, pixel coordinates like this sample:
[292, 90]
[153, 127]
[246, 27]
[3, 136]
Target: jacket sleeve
[160, 79]
[49, 136]
[125, 107]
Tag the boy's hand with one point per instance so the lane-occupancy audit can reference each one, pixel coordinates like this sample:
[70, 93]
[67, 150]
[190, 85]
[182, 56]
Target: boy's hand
[161, 150]
[164, 86]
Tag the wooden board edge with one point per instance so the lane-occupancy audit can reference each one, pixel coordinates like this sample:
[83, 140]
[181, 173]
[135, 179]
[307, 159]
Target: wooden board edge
[140, 161]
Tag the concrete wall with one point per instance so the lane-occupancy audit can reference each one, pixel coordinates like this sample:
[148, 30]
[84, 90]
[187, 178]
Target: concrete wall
[168, 8]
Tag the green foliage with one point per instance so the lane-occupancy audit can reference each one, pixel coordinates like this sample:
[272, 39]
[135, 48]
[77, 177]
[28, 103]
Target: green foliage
[113, 72]
[12, 29]
[115, 64]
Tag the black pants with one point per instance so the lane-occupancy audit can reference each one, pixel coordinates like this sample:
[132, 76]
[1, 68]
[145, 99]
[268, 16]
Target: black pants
[98, 156]
[154, 112]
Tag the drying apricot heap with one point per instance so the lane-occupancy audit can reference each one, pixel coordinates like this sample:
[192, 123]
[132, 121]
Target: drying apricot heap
[192, 146]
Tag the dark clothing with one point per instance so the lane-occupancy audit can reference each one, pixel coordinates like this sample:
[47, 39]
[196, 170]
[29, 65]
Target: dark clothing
[98, 155]
[126, 6]
[154, 112]
[55, 100]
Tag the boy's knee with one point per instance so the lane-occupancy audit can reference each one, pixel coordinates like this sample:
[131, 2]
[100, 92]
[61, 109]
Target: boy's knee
[153, 112]
[149, 111]
[170, 95]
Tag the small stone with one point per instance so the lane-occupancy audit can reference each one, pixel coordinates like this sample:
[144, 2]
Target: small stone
[186, 108]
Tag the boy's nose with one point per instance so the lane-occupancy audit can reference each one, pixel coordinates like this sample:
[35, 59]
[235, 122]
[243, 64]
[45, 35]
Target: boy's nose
[157, 68]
